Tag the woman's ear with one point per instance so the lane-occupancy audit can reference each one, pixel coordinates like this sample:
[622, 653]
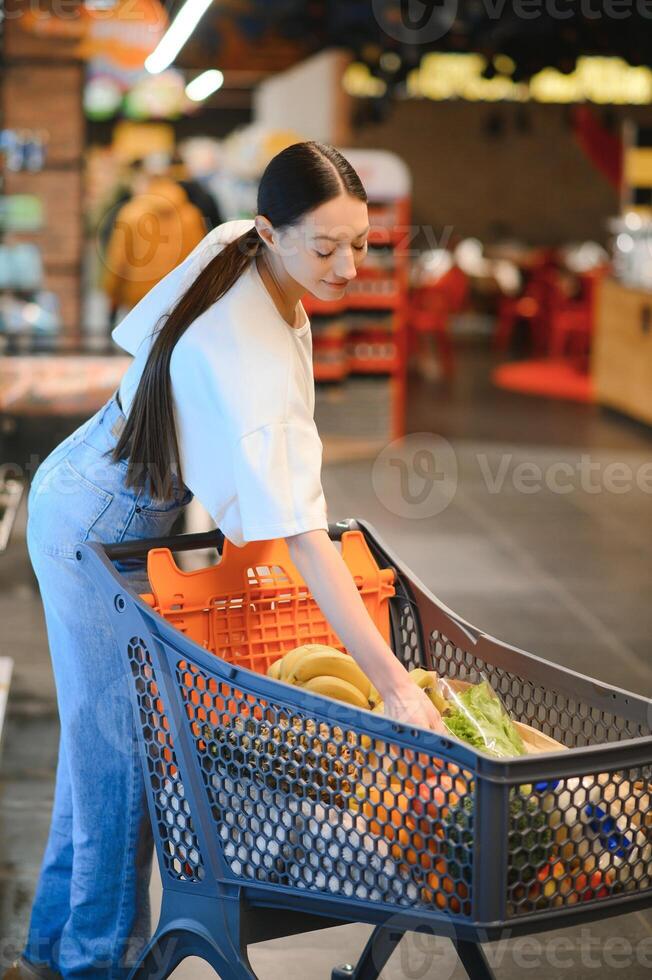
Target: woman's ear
[265, 230]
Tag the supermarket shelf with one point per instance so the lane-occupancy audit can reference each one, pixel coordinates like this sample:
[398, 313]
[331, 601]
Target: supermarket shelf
[338, 352]
[328, 374]
[367, 301]
[353, 301]
[380, 367]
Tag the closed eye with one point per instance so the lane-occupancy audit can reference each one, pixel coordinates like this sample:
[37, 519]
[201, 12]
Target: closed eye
[358, 248]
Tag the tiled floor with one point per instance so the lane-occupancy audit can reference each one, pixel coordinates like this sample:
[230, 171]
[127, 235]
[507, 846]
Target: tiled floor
[566, 575]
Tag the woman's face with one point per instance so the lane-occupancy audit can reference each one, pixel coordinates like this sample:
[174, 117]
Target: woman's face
[323, 251]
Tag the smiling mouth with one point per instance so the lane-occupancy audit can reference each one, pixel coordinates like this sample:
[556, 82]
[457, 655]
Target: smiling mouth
[340, 284]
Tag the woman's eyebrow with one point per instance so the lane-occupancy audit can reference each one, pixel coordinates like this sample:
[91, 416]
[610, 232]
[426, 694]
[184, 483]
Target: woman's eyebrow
[331, 239]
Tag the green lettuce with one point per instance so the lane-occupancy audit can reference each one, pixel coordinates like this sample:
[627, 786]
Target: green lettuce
[477, 716]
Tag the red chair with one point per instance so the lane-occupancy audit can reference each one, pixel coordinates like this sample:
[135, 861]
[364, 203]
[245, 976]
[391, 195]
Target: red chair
[430, 309]
[570, 328]
[531, 307]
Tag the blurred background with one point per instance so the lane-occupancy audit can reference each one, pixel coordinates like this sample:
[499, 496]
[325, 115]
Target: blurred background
[503, 315]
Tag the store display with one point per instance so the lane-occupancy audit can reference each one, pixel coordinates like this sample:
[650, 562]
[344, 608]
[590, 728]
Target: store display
[329, 348]
[161, 96]
[102, 97]
[36, 316]
[25, 306]
[21, 212]
[24, 149]
[372, 350]
[20, 266]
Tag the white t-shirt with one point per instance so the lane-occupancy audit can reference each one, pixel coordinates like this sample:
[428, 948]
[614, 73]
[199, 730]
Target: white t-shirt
[244, 400]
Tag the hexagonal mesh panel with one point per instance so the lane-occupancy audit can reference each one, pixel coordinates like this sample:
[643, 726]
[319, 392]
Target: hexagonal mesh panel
[174, 820]
[567, 719]
[408, 643]
[580, 839]
[309, 803]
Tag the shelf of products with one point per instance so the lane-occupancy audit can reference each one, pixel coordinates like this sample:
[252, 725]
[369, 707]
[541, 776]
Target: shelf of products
[11, 489]
[354, 343]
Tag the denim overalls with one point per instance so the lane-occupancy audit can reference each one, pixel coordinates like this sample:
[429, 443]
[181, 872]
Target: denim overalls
[91, 913]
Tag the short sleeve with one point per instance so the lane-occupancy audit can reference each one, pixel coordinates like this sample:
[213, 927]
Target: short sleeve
[277, 470]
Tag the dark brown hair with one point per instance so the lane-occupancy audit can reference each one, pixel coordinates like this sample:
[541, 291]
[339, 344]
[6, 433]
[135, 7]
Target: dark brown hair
[297, 180]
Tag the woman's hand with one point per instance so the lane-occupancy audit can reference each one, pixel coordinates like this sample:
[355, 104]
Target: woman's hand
[410, 705]
[331, 583]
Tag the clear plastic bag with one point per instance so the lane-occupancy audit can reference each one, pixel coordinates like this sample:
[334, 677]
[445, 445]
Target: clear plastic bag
[476, 715]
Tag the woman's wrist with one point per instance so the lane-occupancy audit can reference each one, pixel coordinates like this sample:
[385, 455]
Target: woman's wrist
[331, 583]
[393, 677]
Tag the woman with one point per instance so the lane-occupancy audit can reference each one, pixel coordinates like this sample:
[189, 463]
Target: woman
[223, 395]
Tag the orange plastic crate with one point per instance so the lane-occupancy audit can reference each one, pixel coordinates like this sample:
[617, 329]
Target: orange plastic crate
[254, 605]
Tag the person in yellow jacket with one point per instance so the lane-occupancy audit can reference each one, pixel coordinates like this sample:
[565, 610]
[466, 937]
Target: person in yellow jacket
[153, 232]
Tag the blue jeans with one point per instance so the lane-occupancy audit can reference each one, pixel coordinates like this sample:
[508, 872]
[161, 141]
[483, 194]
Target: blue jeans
[91, 916]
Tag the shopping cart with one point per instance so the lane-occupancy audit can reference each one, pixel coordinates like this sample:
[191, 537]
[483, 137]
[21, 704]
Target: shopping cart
[278, 811]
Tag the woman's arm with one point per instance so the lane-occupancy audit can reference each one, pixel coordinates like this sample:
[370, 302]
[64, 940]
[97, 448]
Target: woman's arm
[328, 577]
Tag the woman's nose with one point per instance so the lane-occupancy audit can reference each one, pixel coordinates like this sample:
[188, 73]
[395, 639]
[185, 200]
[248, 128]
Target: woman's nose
[345, 268]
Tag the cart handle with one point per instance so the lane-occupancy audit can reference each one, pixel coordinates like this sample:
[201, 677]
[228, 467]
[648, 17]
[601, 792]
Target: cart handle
[195, 542]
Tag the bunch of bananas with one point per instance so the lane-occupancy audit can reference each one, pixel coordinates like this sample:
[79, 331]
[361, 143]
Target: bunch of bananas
[324, 670]
[428, 681]
[327, 671]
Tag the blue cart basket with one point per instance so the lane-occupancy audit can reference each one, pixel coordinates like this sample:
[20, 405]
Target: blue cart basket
[277, 811]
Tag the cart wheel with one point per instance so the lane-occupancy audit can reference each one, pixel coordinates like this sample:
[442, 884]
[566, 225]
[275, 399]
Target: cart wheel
[381, 944]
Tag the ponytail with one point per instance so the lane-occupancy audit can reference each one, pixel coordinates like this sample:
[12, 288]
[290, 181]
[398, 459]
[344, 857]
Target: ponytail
[149, 436]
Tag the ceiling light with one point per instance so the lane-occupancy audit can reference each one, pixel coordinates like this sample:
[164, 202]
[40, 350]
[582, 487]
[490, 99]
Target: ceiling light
[204, 85]
[176, 35]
